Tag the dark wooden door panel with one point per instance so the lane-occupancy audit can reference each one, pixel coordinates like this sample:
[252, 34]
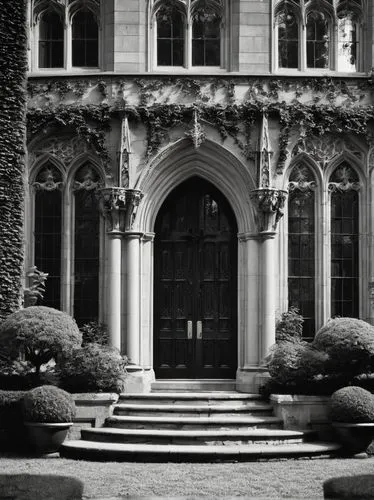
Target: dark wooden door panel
[195, 283]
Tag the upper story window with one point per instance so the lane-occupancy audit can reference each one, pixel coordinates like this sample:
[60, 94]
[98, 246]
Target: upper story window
[65, 34]
[319, 35]
[187, 33]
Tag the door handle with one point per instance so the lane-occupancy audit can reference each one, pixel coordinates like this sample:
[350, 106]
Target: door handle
[189, 330]
[199, 329]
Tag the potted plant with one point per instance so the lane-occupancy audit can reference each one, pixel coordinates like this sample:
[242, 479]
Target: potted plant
[48, 414]
[352, 415]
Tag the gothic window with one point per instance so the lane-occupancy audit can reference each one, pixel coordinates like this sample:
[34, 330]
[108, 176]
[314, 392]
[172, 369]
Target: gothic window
[188, 34]
[86, 245]
[301, 246]
[330, 39]
[288, 40]
[170, 37]
[344, 188]
[85, 39]
[47, 231]
[317, 40]
[51, 40]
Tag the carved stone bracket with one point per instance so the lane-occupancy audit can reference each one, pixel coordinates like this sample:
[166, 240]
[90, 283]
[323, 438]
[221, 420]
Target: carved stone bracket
[196, 133]
[269, 204]
[119, 206]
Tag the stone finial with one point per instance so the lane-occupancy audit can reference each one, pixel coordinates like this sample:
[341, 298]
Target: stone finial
[269, 203]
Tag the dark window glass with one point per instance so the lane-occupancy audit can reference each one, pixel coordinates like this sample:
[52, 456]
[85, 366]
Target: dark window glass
[86, 252]
[170, 38]
[85, 39]
[301, 257]
[51, 41]
[288, 40]
[206, 41]
[47, 241]
[344, 253]
[317, 43]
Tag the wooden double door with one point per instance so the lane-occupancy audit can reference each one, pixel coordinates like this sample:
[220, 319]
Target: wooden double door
[195, 322]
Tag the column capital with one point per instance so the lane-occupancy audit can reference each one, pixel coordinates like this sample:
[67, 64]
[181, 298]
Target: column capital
[269, 204]
[119, 206]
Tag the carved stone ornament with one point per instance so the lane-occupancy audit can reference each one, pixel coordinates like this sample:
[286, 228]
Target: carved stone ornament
[87, 179]
[301, 179]
[344, 179]
[269, 204]
[324, 149]
[264, 155]
[196, 133]
[119, 206]
[124, 154]
[48, 179]
[63, 148]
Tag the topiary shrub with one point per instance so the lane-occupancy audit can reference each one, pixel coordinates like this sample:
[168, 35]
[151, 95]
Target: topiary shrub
[94, 332]
[93, 368]
[295, 362]
[289, 325]
[48, 404]
[352, 404]
[40, 333]
[349, 344]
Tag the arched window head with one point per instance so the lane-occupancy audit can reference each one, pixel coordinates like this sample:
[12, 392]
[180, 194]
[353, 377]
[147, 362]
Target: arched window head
[349, 17]
[288, 39]
[170, 36]
[317, 40]
[206, 32]
[85, 39]
[51, 40]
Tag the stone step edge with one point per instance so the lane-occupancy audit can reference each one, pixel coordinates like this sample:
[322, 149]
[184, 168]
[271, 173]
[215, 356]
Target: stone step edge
[266, 433]
[196, 420]
[193, 395]
[193, 409]
[90, 450]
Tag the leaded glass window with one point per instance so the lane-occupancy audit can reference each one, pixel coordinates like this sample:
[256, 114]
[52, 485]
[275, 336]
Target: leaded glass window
[86, 245]
[348, 45]
[170, 37]
[344, 188]
[51, 40]
[301, 247]
[206, 40]
[85, 39]
[317, 40]
[288, 40]
[47, 231]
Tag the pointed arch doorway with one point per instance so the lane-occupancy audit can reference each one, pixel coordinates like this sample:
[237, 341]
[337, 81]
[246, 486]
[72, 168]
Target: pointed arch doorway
[195, 286]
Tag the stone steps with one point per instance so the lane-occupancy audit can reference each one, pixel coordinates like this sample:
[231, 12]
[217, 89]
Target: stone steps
[90, 450]
[193, 426]
[193, 386]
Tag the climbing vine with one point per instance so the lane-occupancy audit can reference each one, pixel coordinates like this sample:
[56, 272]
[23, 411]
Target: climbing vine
[13, 64]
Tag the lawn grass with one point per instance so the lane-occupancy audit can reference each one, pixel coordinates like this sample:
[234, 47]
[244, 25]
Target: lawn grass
[267, 479]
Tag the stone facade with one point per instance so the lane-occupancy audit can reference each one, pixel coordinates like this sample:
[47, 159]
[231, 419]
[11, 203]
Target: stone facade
[144, 129]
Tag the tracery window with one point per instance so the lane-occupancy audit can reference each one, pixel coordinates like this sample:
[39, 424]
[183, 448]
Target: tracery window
[344, 187]
[188, 33]
[66, 228]
[301, 246]
[65, 34]
[330, 40]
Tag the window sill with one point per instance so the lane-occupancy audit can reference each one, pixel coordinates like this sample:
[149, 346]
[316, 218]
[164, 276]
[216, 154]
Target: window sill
[62, 71]
[319, 72]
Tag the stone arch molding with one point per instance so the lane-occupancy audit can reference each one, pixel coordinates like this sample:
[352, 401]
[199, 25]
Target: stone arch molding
[211, 162]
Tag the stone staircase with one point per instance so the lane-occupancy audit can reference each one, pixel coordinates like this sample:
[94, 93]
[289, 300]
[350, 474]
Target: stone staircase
[193, 421]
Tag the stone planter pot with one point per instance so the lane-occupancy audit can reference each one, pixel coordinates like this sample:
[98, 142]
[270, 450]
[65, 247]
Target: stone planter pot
[300, 412]
[355, 438]
[47, 437]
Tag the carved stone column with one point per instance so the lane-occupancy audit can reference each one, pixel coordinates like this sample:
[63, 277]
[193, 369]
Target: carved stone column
[118, 206]
[269, 203]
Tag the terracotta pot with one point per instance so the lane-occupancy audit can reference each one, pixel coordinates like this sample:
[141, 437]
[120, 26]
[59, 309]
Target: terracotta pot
[47, 437]
[355, 438]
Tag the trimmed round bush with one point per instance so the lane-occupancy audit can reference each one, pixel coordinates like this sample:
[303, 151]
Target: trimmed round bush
[349, 344]
[293, 362]
[352, 404]
[48, 404]
[93, 368]
[41, 333]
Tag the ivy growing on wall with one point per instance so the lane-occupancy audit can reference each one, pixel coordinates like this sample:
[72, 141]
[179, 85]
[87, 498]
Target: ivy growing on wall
[13, 64]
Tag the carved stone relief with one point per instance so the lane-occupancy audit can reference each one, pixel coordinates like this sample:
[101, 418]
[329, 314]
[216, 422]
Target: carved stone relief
[344, 179]
[48, 179]
[63, 148]
[86, 178]
[324, 149]
[301, 179]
